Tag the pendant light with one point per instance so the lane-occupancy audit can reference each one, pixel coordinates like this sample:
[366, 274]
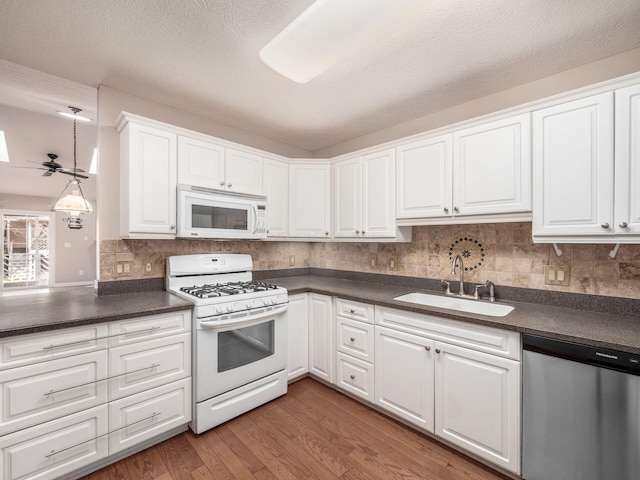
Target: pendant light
[72, 200]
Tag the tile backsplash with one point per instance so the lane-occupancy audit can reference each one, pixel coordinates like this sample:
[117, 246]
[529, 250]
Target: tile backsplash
[503, 253]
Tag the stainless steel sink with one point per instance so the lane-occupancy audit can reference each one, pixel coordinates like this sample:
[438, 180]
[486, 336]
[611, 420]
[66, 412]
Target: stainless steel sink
[454, 303]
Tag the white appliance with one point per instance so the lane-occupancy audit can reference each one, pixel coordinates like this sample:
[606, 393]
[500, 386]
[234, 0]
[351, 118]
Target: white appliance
[204, 213]
[240, 335]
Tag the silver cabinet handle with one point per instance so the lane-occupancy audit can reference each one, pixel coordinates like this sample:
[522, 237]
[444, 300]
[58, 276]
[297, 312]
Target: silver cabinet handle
[222, 183]
[172, 227]
[55, 452]
[352, 377]
[326, 233]
[446, 209]
[623, 225]
[456, 209]
[352, 339]
[229, 185]
[605, 225]
[52, 392]
[427, 348]
[363, 232]
[357, 232]
[352, 311]
[437, 350]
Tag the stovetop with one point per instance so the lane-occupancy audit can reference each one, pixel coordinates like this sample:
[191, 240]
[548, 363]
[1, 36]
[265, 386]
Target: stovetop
[227, 289]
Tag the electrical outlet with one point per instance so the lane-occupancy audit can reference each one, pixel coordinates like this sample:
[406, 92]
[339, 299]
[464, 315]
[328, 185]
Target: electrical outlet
[556, 275]
[373, 262]
[292, 260]
[122, 268]
[81, 272]
[392, 263]
[148, 267]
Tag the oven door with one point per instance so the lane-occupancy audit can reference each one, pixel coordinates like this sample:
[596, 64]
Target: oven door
[233, 350]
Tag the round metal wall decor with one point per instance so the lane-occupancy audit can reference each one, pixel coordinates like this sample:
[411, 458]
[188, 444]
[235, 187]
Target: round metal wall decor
[471, 251]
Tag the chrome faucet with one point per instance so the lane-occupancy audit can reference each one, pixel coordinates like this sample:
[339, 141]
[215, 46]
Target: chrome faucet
[458, 259]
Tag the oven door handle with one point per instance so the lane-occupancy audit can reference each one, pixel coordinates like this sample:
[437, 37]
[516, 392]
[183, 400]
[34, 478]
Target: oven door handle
[246, 319]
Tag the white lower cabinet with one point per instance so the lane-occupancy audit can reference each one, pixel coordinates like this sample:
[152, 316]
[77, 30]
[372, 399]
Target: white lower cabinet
[321, 351]
[355, 376]
[459, 381]
[298, 335]
[72, 397]
[477, 403]
[55, 448]
[405, 376]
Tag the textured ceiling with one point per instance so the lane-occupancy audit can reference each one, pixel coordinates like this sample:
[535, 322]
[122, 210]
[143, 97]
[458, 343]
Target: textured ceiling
[202, 56]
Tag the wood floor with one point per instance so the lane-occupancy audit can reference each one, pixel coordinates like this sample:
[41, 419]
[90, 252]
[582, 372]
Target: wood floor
[312, 433]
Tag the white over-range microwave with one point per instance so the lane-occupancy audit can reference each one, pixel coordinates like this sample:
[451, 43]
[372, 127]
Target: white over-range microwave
[204, 213]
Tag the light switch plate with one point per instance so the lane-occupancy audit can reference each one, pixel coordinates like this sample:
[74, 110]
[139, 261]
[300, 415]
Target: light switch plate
[556, 275]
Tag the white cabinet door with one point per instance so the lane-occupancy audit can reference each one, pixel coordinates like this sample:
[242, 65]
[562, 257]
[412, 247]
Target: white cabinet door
[298, 339]
[200, 163]
[276, 189]
[477, 403]
[573, 168]
[492, 167]
[243, 172]
[627, 163]
[40, 392]
[423, 178]
[51, 450]
[347, 196]
[140, 417]
[309, 190]
[404, 376]
[378, 194]
[148, 174]
[321, 344]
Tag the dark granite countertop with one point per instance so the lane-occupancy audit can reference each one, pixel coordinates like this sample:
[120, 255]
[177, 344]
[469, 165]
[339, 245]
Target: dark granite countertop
[29, 311]
[618, 332]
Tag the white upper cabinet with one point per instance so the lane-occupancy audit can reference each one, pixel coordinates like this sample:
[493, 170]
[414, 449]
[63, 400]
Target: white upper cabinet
[148, 164]
[423, 178]
[364, 196]
[574, 168]
[243, 172]
[309, 205]
[492, 167]
[202, 163]
[481, 170]
[276, 189]
[627, 158]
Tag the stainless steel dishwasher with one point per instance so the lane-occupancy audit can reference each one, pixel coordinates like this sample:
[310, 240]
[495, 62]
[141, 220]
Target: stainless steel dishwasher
[581, 412]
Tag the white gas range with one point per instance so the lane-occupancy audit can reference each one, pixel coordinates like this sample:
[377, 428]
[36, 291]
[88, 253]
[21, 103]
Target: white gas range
[240, 335]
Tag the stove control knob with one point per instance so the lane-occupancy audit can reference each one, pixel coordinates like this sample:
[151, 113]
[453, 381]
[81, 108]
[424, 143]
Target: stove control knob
[229, 308]
[273, 301]
[218, 309]
[248, 304]
[265, 301]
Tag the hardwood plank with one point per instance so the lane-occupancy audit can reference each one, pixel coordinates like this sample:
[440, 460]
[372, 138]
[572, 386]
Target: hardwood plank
[241, 452]
[115, 471]
[146, 465]
[212, 450]
[203, 473]
[179, 457]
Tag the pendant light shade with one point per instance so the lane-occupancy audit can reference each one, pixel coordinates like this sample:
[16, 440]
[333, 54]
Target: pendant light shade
[72, 200]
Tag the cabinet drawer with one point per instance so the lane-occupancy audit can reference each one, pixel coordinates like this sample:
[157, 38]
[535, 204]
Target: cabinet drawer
[140, 417]
[37, 393]
[55, 448]
[39, 347]
[139, 329]
[496, 341]
[354, 310]
[355, 339]
[140, 366]
[356, 376]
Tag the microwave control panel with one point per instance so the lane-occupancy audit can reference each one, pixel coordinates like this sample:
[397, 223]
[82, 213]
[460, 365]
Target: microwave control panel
[262, 219]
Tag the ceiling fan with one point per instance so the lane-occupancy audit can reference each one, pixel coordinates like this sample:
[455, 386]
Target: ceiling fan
[52, 167]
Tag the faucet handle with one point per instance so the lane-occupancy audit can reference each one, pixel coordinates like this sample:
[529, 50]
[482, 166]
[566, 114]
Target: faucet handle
[476, 295]
[492, 295]
[448, 284]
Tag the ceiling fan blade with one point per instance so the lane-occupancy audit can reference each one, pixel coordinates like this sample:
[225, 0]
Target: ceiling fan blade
[72, 174]
[69, 170]
[47, 173]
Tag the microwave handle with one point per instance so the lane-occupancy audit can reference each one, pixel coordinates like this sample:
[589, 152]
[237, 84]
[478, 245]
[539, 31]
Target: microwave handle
[255, 219]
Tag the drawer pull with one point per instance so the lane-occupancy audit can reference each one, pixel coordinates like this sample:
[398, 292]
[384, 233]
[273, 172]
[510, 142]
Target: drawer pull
[352, 339]
[61, 345]
[55, 452]
[140, 332]
[51, 392]
[437, 350]
[427, 348]
[352, 311]
[352, 377]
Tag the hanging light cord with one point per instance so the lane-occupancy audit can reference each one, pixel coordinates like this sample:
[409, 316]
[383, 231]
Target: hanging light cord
[75, 111]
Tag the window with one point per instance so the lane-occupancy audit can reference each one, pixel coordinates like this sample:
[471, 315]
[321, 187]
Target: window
[26, 250]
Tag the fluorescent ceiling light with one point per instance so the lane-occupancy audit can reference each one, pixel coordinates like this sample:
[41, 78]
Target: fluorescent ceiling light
[328, 32]
[4, 153]
[75, 116]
